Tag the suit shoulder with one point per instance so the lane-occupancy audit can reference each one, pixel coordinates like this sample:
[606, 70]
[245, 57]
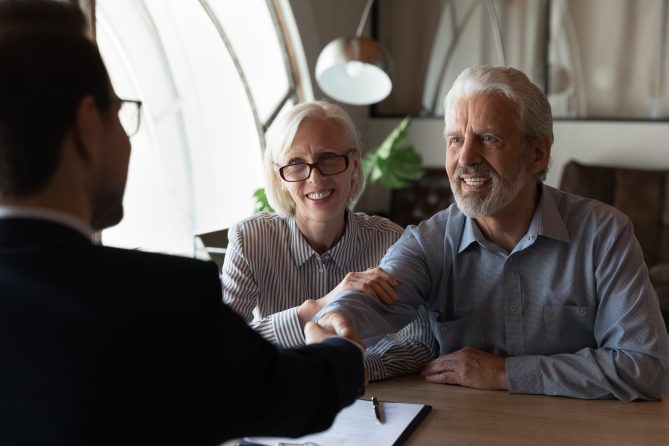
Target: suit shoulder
[150, 263]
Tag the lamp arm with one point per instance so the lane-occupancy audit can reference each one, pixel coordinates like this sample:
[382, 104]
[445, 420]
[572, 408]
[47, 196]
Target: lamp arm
[363, 20]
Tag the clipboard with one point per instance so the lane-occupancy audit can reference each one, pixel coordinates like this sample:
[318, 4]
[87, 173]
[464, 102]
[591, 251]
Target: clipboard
[356, 425]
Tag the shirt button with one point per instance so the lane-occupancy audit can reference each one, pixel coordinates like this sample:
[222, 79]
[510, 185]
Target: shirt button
[513, 308]
[581, 312]
[443, 328]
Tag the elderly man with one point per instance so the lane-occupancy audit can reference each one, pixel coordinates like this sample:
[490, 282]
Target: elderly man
[530, 289]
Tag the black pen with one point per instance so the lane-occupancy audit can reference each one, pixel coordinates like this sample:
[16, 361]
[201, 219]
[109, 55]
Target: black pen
[377, 409]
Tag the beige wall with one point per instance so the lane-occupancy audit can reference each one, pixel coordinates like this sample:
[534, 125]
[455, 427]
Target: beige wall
[632, 144]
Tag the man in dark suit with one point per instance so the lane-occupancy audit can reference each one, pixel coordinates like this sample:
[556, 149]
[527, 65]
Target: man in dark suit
[109, 346]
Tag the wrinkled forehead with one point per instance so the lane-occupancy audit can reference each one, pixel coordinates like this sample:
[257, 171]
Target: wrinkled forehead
[490, 109]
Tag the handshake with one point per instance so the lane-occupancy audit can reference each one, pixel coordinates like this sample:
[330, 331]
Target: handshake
[375, 282]
[332, 324]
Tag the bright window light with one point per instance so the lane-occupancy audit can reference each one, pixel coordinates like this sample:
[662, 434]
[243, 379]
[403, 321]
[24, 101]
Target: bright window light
[200, 69]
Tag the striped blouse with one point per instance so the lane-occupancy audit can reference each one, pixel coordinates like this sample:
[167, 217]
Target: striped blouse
[270, 270]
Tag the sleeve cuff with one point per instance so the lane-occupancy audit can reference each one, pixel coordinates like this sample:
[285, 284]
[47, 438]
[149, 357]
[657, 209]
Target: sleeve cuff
[374, 366]
[287, 328]
[523, 375]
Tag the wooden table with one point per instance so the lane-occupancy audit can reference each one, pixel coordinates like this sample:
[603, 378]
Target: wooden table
[482, 417]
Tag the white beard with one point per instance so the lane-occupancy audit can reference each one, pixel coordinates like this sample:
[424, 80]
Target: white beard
[477, 205]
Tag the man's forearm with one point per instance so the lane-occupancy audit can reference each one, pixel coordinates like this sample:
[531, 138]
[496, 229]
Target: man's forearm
[371, 318]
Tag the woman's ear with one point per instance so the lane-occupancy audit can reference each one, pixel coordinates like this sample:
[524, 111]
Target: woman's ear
[356, 155]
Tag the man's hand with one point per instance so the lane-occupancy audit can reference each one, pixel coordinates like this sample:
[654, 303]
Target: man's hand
[336, 324]
[469, 367]
[375, 282]
[332, 324]
[314, 333]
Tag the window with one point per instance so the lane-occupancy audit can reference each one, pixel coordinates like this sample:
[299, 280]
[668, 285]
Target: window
[201, 69]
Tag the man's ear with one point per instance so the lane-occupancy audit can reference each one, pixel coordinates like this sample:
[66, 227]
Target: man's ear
[87, 127]
[541, 153]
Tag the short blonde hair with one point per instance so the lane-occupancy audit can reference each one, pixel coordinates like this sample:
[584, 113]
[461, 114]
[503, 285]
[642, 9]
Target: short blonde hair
[280, 137]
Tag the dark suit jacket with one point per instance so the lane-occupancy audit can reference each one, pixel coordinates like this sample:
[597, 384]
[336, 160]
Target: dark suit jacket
[109, 346]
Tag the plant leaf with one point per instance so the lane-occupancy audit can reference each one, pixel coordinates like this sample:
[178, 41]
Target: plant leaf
[261, 203]
[394, 163]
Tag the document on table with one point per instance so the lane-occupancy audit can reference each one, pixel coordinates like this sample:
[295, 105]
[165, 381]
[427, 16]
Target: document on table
[357, 425]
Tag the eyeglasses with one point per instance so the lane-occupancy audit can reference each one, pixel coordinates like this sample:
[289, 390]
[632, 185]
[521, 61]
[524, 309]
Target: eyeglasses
[129, 114]
[302, 171]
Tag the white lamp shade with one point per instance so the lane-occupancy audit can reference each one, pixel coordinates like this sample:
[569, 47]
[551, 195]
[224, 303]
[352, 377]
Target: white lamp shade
[354, 70]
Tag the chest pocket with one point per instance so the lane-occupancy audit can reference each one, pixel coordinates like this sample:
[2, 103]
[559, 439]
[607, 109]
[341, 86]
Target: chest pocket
[569, 328]
[456, 334]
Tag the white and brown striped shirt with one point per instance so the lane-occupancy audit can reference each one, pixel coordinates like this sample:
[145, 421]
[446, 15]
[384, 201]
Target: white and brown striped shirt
[270, 270]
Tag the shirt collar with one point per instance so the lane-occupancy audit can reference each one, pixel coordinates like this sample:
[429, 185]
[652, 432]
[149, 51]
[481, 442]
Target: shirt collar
[302, 251]
[546, 222]
[51, 215]
[470, 234]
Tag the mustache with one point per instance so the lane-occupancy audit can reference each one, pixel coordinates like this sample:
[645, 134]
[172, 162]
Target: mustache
[482, 168]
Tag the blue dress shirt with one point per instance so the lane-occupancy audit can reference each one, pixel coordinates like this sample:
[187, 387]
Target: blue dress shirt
[571, 307]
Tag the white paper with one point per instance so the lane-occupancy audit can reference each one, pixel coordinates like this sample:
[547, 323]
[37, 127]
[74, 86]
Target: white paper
[356, 425]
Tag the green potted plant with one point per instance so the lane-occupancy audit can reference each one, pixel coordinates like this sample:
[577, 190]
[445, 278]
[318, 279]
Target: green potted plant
[394, 163]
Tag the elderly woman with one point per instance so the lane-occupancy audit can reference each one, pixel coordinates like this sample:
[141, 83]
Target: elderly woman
[280, 269]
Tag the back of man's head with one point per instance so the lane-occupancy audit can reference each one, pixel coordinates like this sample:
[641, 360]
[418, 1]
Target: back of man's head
[59, 14]
[47, 65]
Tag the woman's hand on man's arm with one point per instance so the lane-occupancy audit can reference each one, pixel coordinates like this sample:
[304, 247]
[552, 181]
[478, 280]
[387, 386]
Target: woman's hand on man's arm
[374, 282]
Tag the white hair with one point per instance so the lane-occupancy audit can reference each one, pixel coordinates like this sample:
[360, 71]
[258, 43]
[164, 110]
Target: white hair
[280, 137]
[534, 111]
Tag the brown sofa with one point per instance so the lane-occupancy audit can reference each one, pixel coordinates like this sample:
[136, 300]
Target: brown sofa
[643, 195]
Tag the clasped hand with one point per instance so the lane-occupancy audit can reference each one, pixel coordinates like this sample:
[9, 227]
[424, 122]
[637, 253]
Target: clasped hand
[332, 324]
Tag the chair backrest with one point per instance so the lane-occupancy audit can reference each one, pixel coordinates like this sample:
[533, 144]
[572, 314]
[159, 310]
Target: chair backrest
[422, 199]
[643, 195]
[215, 245]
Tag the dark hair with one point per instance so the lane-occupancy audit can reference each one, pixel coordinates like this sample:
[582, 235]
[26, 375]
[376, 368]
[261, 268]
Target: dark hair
[45, 71]
[43, 12]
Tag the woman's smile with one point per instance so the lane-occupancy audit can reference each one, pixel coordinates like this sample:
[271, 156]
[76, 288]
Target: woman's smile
[320, 195]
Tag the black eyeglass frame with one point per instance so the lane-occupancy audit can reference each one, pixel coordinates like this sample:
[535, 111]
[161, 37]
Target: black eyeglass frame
[138, 104]
[311, 168]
